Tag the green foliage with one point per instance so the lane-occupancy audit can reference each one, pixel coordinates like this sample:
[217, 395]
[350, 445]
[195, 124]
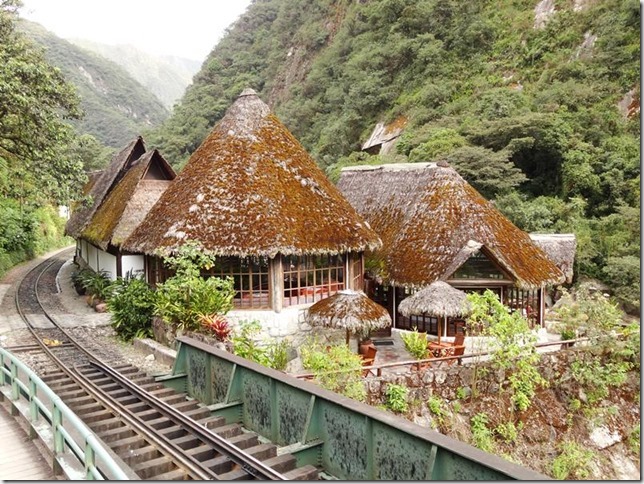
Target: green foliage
[437, 407]
[511, 106]
[572, 462]
[96, 284]
[416, 343]
[440, 142]
[116, 107]
[273, 354]
[634, 440]
[396, 398]
[597, 376]
[461, 393]
[482, 436]
[508, 431]
[513, 345]
[131, 306]
[183, 298]
[336, 368]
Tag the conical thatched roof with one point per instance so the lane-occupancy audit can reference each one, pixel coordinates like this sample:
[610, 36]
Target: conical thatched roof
[349, 310]
[431, 221]
[129, 201]
[103, 184]
[252, 189]
[437, 299]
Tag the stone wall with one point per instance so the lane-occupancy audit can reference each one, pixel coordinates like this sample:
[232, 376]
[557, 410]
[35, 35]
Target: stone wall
[445, 381]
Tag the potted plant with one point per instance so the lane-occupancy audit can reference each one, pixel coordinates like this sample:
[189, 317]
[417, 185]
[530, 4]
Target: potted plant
[364, 341]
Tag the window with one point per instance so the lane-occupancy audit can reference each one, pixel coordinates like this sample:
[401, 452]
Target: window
[311, 278]
[478, 266]
[157, 271]
[250, 278]
[357, 272]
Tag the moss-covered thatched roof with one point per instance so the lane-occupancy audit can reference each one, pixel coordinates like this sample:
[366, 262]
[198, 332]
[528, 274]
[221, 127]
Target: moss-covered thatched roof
[251, 189]
[128, 202]
[103, 185]
[431, 221]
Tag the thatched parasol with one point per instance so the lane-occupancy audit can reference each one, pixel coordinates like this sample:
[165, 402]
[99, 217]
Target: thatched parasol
[349, 310]
[438, 299]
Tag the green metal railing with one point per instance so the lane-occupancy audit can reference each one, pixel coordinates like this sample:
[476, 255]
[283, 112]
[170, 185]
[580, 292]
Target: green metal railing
[346, 438]
[63, 429]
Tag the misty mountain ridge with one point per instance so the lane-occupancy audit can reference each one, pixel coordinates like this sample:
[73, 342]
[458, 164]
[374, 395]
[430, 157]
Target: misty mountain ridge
[117, 107]
[165, 76]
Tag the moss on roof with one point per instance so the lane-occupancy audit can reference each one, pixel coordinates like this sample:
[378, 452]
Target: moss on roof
[102, 186]
[127, 203]
[431, 220]
[252, 189]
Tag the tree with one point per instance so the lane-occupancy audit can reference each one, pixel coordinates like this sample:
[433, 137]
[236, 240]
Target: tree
[35, 100]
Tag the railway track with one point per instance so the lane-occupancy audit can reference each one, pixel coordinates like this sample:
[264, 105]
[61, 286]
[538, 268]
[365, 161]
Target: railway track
[156, 431]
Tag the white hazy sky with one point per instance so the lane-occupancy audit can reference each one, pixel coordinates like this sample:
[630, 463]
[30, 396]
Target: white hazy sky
[185, 28]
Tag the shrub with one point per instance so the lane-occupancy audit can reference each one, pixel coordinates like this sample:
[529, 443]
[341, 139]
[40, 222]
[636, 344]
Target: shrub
[215, 325]
[509, 432]
[96, 284]
[336, 368]
[273, 354]
[572, 462]
[416, 344]
[131, 304]
[396, 398]
[514, 345]
[185, 297]
[436, 406]
[481, 434]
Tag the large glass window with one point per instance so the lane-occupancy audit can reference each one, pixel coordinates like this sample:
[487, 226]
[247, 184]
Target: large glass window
[250, 277]
[311, 278]
[478, 266]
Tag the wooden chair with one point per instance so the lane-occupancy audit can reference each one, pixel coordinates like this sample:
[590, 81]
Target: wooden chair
[459, 339]
[458, 351]
[368, 359]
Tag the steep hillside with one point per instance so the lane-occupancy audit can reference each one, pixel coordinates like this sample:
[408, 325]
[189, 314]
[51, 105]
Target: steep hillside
[117, 108]
[535, 102]
[166, 78]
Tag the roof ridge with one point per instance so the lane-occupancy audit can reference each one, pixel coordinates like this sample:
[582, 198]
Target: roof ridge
[391, 167]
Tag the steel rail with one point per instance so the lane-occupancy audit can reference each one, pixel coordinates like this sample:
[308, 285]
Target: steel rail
[190, 465]
[178, 456]
[251, 465]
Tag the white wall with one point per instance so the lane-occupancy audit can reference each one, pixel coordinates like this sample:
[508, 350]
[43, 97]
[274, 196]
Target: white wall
[134, 263]
[92, 260]
[107, 262]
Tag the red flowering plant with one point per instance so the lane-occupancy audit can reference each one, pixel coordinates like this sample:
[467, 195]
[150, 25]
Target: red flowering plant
[216, 325]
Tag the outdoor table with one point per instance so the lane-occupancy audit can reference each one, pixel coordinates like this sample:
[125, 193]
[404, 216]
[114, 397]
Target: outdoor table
[440, 350]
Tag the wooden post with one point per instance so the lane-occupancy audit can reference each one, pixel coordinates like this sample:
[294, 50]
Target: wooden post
[276, 282]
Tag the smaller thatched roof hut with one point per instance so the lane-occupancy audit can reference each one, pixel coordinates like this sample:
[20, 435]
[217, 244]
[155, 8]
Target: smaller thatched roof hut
[437, 299]
[561, 249]
[101, 186]
[350, 310]
[129, 201]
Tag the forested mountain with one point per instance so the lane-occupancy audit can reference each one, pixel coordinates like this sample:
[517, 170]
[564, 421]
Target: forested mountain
[165, 77]
[116, 107]
[536, 103]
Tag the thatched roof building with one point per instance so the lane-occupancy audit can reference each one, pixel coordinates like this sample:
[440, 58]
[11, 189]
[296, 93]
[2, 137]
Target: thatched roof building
[432, 221]
[561, 249]
[129, 201]
[251, 189]
[101, 186]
